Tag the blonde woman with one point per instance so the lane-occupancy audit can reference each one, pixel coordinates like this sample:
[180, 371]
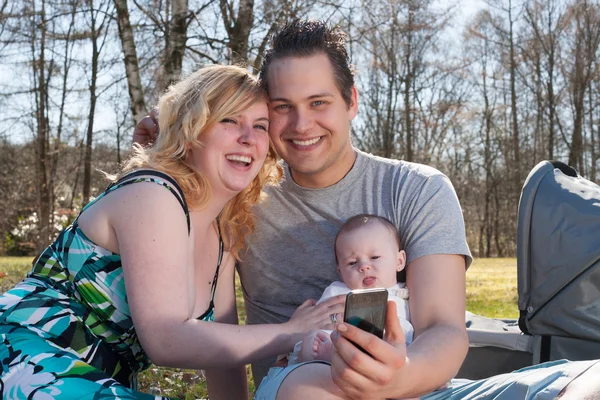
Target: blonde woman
[146, 268]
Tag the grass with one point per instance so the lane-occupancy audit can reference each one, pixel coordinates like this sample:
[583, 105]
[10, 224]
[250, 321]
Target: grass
[492, 287]
[491, 292]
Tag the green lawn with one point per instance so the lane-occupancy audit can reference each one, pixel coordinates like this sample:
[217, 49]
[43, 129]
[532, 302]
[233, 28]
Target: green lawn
[492, 287]
[491, 292]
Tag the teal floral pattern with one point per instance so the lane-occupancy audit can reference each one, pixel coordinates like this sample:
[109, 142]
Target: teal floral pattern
[66, 329]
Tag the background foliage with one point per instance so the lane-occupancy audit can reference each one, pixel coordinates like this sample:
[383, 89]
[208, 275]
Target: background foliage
[482, 93]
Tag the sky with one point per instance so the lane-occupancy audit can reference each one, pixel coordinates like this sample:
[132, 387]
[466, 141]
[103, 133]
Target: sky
[468, 7]
[465, 9]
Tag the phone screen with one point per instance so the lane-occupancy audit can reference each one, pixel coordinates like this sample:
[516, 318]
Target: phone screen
[366, 310]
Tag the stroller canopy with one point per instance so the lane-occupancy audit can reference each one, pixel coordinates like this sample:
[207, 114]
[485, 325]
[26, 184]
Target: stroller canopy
[558, 253]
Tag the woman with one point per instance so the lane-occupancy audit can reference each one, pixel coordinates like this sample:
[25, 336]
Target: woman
[137, 278]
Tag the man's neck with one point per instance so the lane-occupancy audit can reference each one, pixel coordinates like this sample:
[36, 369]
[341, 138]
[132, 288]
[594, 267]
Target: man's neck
[329, 176]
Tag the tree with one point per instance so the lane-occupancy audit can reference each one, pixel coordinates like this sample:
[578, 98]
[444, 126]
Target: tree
[99, 20]
[478, 38]
[169, 22]
[132, 69]
[585, 18]
[38, 36]
[238, 26]
[545, 20]
[409, 88]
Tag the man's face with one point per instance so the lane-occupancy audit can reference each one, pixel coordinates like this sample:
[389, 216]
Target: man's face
[310, 121]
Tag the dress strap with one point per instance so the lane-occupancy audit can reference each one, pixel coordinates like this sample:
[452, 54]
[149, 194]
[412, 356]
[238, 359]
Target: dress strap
[173, 187]
[209, 314]
[214, 282]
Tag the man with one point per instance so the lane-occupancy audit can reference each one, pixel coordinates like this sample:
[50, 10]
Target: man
[290, 257]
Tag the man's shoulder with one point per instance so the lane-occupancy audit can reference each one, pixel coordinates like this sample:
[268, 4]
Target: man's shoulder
[403, 167]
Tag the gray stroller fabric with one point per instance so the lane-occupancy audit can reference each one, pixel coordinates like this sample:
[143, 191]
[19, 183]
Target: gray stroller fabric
[558, 279]
[503, 333]
[496, 346]
[558, 254]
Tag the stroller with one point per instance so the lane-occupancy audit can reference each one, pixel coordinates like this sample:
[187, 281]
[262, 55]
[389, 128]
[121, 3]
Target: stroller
[558, 274]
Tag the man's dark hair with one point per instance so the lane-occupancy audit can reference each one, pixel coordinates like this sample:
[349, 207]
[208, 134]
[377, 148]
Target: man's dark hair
[305, 38]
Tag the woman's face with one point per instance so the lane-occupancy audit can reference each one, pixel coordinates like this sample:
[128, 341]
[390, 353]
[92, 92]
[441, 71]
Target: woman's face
[234, 150]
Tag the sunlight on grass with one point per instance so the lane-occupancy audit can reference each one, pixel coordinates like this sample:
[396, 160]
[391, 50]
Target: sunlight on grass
[15, 269]
[491, 292]
[492, 287]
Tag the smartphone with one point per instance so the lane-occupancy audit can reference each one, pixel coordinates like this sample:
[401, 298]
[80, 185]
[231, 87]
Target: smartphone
[366, 309]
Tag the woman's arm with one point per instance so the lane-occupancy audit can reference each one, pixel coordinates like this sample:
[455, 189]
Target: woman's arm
[157, 257]
[227, 383]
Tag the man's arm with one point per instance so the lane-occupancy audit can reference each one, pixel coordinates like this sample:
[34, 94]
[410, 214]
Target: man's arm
[437, 305]
[146, 131]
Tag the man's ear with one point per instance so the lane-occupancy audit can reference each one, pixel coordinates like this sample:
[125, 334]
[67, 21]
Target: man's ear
[401, 260]
[353, 107]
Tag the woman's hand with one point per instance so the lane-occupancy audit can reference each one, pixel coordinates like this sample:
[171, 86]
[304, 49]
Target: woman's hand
[361, 376]
[310, 315]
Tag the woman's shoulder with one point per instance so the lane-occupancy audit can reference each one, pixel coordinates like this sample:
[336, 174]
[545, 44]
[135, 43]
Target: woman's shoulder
[143, 199]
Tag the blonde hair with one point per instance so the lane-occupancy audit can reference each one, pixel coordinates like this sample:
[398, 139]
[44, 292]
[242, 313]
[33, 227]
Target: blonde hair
[185, 111]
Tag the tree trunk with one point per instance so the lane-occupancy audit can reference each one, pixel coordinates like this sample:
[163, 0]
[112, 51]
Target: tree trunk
[551, 107]
[54, 157]
[513, 103]
[87, 162]
[578, 86]
[176, 40]
[42, 133]
[497, 218]
[488, 165]
[132, 69]
[80, 153]
[587, 38]
[539, 115]
[407, 86]
[576, 153]
[389, 125]
[238, 28]
[593, 156]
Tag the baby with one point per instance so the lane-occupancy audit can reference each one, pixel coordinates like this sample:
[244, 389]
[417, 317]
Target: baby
[369, 255]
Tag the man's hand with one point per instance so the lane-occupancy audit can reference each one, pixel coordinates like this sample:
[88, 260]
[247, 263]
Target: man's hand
[437, 309]
[146, 131]
[361, 376]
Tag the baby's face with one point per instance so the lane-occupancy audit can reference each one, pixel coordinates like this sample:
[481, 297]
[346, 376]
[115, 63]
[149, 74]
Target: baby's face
[368, 257]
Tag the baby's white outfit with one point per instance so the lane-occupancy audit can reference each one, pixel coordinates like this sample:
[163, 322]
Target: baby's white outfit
[398, 293]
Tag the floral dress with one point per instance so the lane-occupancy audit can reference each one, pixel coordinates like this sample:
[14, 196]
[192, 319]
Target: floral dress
[66, 329]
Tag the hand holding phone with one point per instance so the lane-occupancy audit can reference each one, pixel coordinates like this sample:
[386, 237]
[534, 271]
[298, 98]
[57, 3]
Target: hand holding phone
[366, 309]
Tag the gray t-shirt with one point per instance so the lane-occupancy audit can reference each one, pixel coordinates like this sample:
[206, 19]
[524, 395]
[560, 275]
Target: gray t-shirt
[290, 256]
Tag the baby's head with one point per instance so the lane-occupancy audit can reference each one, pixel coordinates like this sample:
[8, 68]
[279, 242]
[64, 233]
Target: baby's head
[368, 252]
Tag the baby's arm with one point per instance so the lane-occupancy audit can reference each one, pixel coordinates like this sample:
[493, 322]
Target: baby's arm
[316, 345]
